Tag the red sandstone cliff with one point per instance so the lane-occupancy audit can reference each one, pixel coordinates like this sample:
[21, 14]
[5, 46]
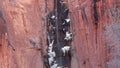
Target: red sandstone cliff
[95, 26]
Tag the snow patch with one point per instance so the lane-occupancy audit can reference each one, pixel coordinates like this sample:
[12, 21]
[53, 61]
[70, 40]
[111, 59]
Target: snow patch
[54, 66]
[53, 17]
[67, 20]
[68, 36]
[65, 49]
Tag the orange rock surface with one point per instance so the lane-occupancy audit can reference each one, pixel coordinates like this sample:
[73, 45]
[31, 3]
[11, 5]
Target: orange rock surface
[95, 25]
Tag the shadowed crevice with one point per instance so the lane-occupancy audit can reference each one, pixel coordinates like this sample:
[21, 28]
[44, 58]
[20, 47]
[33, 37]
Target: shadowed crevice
[58, 25]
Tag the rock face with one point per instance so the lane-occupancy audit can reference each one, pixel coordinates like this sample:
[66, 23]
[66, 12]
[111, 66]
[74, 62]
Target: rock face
[95, 26]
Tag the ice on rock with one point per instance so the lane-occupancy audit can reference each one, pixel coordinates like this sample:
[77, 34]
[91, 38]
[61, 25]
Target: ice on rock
[67, 20]
[51, 59]
[65, 49]
[54, 66]
[52, 54]
[53, 17]
[68, 36]
[51, 44]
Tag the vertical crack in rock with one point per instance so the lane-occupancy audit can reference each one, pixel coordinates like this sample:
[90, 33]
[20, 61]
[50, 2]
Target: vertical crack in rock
[95, 11]
[59, 36]
[84, 16]
[95, 14]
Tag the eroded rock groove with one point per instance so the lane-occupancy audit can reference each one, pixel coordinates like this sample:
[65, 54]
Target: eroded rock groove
[59, 36]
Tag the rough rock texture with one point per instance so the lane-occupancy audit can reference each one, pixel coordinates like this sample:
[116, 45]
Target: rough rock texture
[25, 35]
[95, 27]
[96, 33]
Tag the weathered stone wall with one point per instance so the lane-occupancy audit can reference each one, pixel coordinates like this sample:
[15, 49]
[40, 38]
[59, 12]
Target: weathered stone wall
[94, 24]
